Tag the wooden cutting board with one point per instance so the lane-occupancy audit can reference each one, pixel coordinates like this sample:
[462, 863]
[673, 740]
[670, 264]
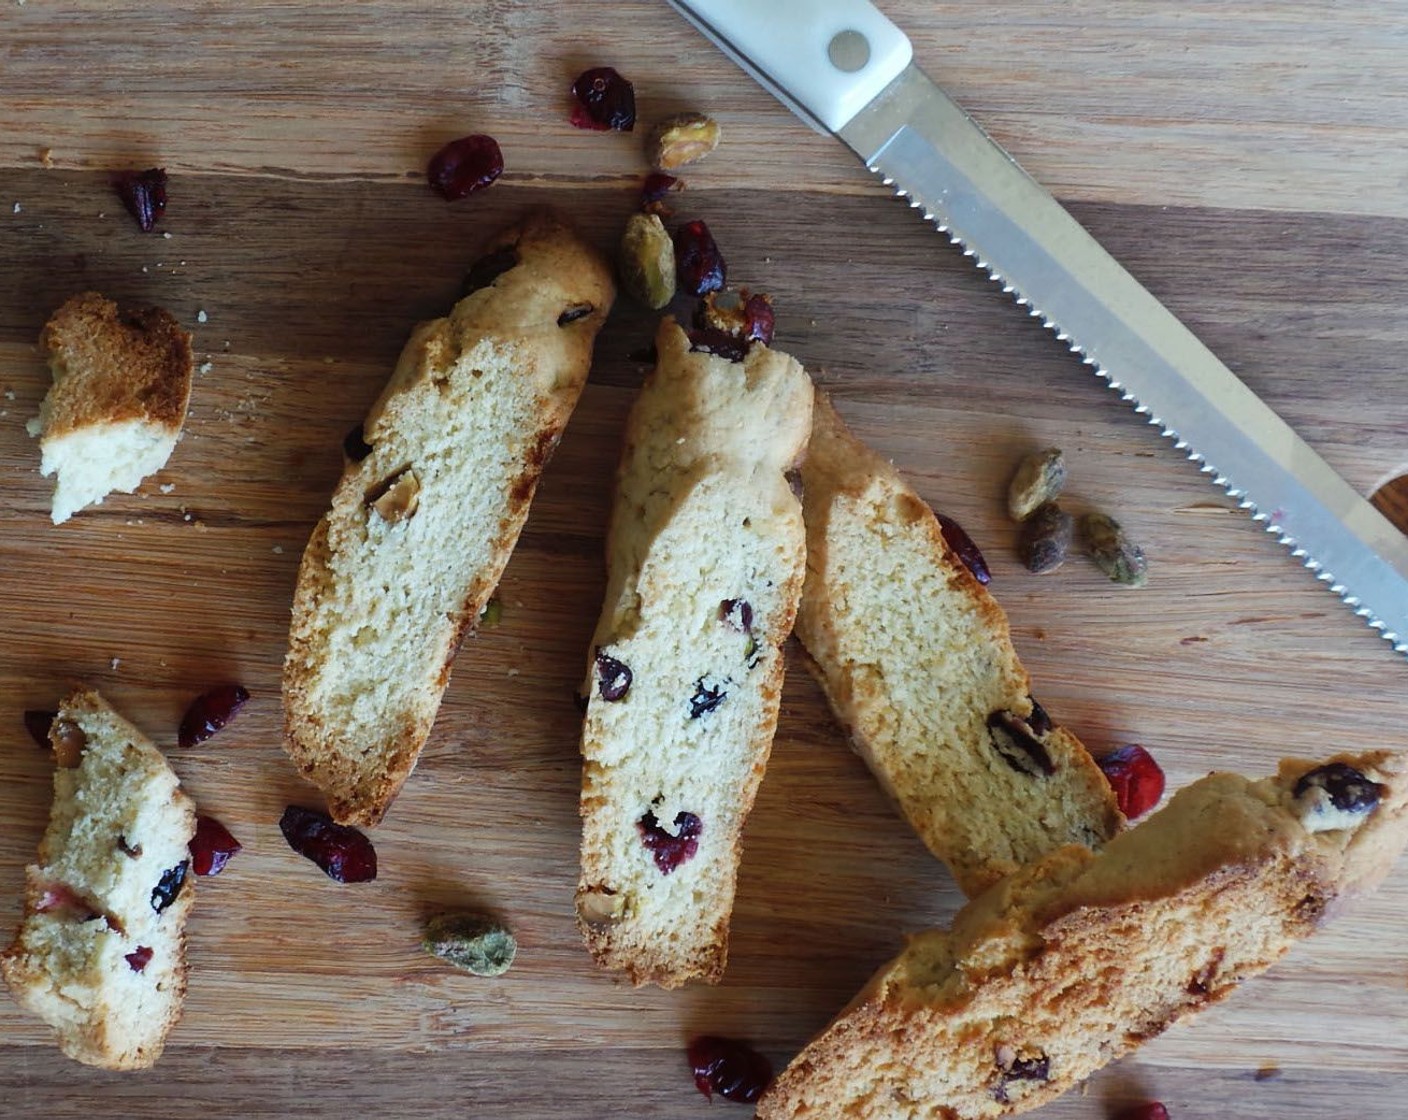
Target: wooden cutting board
[1247, 161]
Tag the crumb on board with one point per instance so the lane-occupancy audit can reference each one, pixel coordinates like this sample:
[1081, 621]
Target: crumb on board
[167, 487]
[201, 316]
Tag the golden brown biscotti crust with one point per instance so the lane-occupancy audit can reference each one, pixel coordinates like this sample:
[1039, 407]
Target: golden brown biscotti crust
[916, 659]
[1076, 960]
[145, 357]
[511, 360]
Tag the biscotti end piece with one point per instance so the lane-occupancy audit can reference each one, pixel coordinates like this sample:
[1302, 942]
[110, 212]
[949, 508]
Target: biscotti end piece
[100, 954]
[917, 662]
[399, 570]
[1075, 960]
[705, 562]
[122, 381]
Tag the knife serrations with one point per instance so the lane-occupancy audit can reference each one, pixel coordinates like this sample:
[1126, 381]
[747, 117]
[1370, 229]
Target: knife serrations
[938, 159]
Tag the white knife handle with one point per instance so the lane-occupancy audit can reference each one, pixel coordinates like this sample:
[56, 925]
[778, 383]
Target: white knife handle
[826, 58]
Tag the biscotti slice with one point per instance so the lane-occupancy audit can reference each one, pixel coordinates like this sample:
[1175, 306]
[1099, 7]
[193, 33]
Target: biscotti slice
[101, 953]
[705, 561]
[916, 659]
[122, 381]
[424, 519]
[1074, 961]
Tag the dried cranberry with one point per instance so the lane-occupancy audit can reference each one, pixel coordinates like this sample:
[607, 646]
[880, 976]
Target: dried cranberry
[656, 186]
[613, 677]
[730, 1068]
[1020, 747]
[489, 268]
[1151, 1111]
[464, 166]
[355, 445]
[713, 340]
[706, 698]
[1039, 721]
[759, 319]
[698, 262]
[575, 312]
[963, 545]
[211, 711]
[1349, 790]
[737, 614]
[37, 723]
[342, 852]
[212, 846]
[605, 101]
[1036, 1068]
[143, 193]
[165, 892]
[138, 959]
[1135, 777]
[670, 851]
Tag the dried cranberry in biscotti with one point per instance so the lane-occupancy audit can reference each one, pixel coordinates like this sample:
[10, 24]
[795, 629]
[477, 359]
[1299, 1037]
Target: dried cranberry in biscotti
[1151, 1111]
[670, 850]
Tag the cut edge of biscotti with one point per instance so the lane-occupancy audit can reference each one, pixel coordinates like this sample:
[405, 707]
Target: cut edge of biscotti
[705, 565]
[100, 951]
[121, 386]
[917, 662]
[1076, 960]
[435, 492]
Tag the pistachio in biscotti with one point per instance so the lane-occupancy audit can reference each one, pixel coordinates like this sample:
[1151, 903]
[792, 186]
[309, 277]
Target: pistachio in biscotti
[600, 906]
[398, 498]
[646, 261]
[682, 139]
[69, 741]
[1045, 539]
[1113, 552]
[1039, 479]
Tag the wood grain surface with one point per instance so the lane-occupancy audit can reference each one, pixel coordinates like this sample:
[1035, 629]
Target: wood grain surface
[1247, 161]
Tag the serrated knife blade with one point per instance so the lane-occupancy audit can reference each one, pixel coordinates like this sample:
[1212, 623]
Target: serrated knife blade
[845, 69]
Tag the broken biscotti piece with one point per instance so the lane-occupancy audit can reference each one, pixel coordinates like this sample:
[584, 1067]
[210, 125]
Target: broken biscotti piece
[122, 381]
[101, 953]
[917, 661]
[429, 508]
[705, 557]
[1073, 961]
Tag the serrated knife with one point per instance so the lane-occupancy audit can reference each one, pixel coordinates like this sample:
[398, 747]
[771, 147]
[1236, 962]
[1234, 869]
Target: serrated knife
[846, 70]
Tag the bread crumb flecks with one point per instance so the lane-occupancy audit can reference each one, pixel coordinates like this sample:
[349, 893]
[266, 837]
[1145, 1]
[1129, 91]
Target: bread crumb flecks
[166, 233]
[206, 367]
[201, 316]
[167, 487]
[116, 661]
[17, 208]
[9, 394]
[278, 550]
